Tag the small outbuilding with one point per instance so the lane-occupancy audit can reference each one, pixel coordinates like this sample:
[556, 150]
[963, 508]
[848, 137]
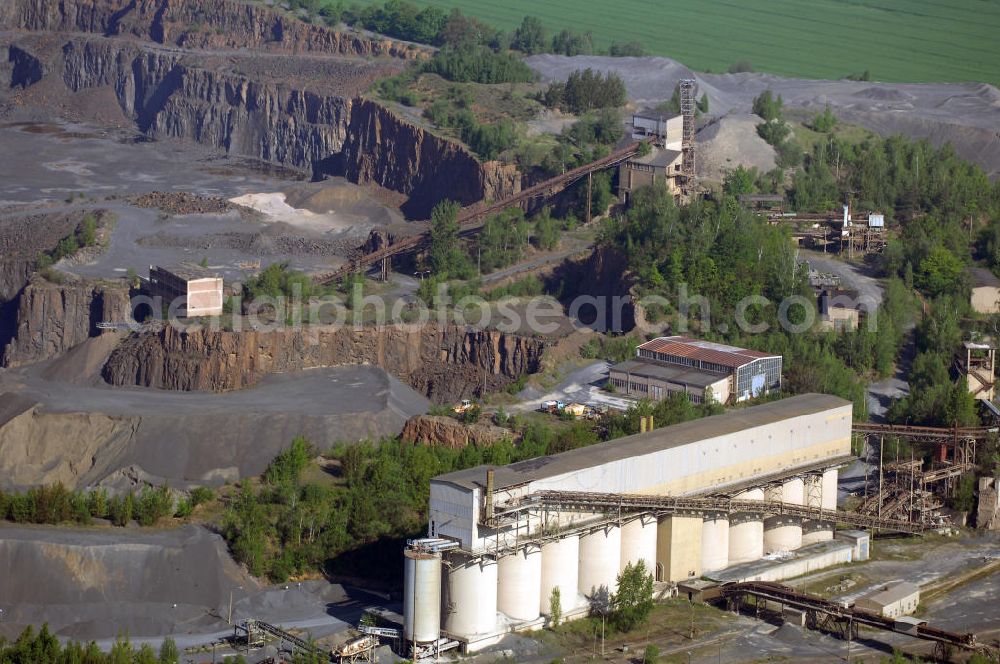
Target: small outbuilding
[985, 291]
[198, 289]
[892, 600]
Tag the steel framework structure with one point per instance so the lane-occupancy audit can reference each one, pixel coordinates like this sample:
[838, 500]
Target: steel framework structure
[840, 619]
[688, 103]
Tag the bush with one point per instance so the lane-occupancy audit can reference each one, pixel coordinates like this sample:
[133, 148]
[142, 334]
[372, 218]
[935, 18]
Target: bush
[628, 49]
[586, 90]
[740, 67]
[478, 64]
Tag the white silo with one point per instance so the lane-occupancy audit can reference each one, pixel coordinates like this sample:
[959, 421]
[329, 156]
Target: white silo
[470, 596]
[639, 542]
[520, 582]
[600, 560]
[830, 489]
[816, 531]
[782, 533]
[714, 542]
[560, 561]
[421, 596]
[746, 531]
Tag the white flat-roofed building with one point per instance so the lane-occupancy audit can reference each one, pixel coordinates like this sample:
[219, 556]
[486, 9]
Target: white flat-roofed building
[699, 457]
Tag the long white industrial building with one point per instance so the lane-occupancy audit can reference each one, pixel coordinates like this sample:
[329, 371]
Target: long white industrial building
[500, 577]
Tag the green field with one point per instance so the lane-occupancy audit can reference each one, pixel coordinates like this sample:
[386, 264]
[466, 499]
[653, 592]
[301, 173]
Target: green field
[897, 40]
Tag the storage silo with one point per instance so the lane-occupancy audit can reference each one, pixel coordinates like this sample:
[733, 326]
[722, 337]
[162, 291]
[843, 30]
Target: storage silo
[782, 533]
[714, 542]
[746, 531]
[470, 595]
[639, 542]
[600, 560]
[560, 569]
[421, 596]
[816, 531]
[830, 489]
[520, 582]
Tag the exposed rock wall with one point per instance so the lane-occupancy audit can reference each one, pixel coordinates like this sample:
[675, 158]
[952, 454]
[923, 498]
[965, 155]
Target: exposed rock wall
[448, 432]
[53, 318]
[195, 24]
[443, 363]
[382, 148]
[166, 97]
[301, 113]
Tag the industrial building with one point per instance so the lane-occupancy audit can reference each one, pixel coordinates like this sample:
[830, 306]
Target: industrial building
[502, 538]
[892, 600]
[667, 130]
[200, 290]
[680, 364]
[985, 296]
[838, 310]
[660, 167]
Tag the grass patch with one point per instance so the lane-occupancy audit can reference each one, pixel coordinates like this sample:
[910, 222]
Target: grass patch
[905, 40]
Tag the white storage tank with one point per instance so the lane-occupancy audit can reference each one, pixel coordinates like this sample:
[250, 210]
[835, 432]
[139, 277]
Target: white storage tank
[816, 531]
[793, 491]
[714, 542]
[639, 543]
[421, 596]
[830, 489]
[470, 596]
[560, 569]
[782, 533]
[746, 532]
[600, 560]
[520, 577]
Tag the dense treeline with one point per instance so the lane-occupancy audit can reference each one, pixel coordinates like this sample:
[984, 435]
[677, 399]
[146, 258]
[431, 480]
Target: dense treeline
[43, 647]
[478, 64]
[436, 27]
[286, 525]
[725, 254]
[55, 504]
[939, 205]
[486, 140]
[586, 90]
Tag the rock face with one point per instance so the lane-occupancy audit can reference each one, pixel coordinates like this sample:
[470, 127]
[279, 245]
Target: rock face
[302, 113]
[448, 432]
[53, 318]
[169, 98]
[380, 147]
[443, 363]
[209, 24]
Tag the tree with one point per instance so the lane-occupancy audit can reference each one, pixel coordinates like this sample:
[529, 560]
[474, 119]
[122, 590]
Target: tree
[546, 231]
[703, 104]
[651, 655]
[445, 255]
[530, 36]
[88, 231]
[739, 181]
[633, 602]
[767, 106]
[824, 122]
[555, 606]
[939, 272]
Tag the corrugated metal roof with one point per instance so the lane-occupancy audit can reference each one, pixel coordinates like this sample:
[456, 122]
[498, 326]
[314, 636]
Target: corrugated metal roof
[730, 422]
[705, 351]
[672, 373]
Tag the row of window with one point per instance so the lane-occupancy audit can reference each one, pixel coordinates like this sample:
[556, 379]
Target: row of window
[655, 392]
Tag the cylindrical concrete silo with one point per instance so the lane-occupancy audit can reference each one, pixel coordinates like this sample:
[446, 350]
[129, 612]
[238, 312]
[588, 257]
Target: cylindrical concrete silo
[470, 596]
[600, 560]
[816, 531]
[782, 533]
[830, 489]
[746, 531]
[421, 596]
[639, 543]
[560, 569]
[520, 583]
[714, 542]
